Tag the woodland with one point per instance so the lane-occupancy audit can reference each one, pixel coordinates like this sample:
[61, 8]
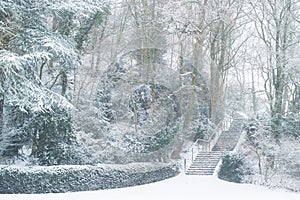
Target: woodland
[116, 82]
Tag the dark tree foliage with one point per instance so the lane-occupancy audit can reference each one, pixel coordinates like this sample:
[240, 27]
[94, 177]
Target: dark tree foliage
[161, 139]
[232, 168]
[142, 99]
[291, 125]
[103, 105]
[203, 124]
[47, 134]
[153, 110]
[148, 94]
[55, 142]
[32, 116]
[15, 131]
[288, 128]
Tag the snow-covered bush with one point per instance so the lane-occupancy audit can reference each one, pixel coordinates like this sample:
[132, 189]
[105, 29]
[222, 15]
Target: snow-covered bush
[103, 104]
[58, 179]
[291, 125]
[201, 125]
[232, 168]
[38, 59]
[130, 121]
[56, 139]
[15, 131]
[274, 162]
[48, 134]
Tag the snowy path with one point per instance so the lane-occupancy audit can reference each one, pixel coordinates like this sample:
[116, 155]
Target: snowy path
[180, 187]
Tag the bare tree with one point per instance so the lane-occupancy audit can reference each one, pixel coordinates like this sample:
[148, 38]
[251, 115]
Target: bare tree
[222, 28]
[275, 24]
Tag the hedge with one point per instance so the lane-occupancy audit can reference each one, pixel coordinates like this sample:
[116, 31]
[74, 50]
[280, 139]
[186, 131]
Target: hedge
[60, 179]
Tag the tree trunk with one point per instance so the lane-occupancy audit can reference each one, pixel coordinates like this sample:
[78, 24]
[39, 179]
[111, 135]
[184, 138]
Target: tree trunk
[1, 116]
[216, 94]
[64, 83]
[254, 106]
[216, 77]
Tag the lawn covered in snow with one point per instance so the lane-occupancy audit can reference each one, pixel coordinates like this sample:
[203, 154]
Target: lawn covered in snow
[179, 187]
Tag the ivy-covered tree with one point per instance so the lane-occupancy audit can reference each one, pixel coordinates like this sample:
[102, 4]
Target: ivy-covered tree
[32, 115]
[54, 141]
[103, 104]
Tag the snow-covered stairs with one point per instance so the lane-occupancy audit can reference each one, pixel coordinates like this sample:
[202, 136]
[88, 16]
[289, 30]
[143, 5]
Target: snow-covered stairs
[205, 163]
[229, 139]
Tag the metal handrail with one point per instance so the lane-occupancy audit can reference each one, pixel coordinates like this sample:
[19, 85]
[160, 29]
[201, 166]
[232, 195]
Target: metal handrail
[205, 145]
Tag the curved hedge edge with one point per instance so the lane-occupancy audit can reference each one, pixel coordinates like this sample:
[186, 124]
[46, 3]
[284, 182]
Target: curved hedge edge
[73, 178]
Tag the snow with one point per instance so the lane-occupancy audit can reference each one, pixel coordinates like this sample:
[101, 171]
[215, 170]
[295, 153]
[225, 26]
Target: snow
[179, 187]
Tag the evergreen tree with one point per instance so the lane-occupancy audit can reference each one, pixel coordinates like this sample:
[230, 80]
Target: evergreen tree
[31, 114]
[232, 168]
[103, 104]
[54, 138]
[14, 134]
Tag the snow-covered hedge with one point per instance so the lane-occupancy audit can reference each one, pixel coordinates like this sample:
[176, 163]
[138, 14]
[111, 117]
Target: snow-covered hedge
[59, 179]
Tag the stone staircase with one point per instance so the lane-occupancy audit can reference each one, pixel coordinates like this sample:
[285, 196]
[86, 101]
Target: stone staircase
[229, 139]
[205, 162]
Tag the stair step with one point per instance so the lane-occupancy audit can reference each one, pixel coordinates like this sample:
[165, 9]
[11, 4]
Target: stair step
[206, 161]
[204, 164]
[200, 173]
[208, 157]
[202, 169]
[211, 172]
[209, 153]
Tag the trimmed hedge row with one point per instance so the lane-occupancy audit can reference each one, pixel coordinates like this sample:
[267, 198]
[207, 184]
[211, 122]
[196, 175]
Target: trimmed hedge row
[60, 179]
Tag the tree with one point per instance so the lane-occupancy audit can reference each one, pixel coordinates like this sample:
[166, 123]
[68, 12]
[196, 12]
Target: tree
[224, 24]
[275, 22]
[271, 163]
[31, 112]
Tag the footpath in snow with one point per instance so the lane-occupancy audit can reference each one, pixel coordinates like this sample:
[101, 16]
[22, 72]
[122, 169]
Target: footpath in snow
[179, 187]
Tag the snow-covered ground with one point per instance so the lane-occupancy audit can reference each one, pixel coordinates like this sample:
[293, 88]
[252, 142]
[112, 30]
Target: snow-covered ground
[180, 187]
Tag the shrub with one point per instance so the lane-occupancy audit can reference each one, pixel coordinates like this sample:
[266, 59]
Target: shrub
[73, 178]
[232, 168]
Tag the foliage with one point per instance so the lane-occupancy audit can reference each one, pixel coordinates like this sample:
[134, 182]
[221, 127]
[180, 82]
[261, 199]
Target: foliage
[103, 105]
[32, 115]
[273, 161]
[48, 133]
[232, 168]
[59, 179]
[291, 125]
[14, 132]
[203, 126]
[55, 139]
[163, 138]
[131, 118]
[33, 39]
